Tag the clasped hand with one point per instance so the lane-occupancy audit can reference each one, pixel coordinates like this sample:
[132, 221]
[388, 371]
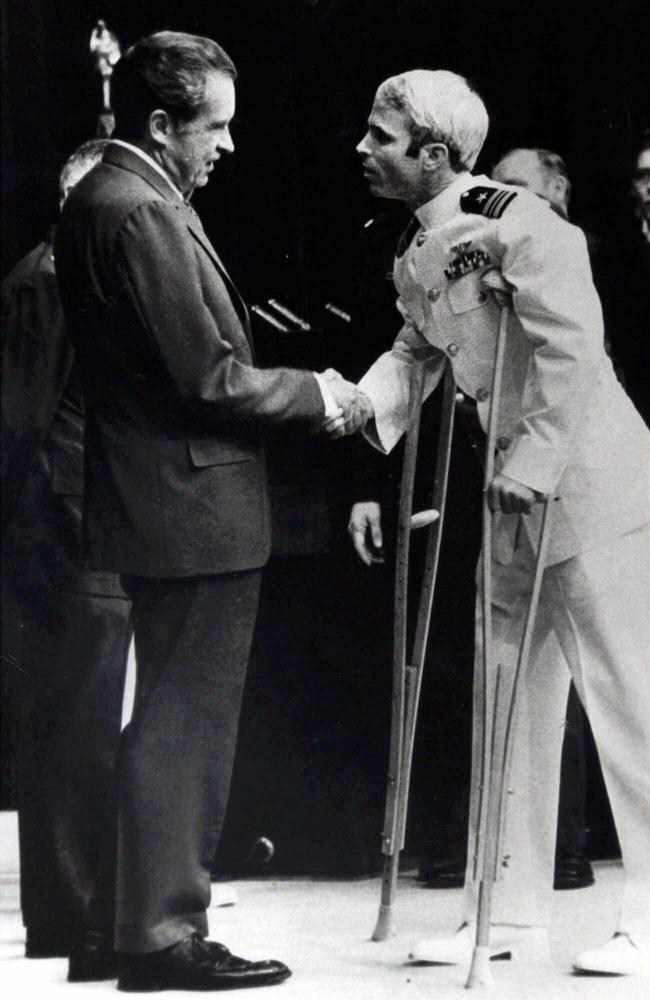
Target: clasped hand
[355, 408]
[507, 495]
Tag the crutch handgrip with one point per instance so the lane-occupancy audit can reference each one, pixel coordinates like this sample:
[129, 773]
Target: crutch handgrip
[494, 280]
[424, 518]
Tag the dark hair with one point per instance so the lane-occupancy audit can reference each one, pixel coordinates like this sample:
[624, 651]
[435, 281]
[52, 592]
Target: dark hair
[166, 70]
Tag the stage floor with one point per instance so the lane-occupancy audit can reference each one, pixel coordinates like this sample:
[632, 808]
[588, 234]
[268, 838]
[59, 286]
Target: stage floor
[321, 930]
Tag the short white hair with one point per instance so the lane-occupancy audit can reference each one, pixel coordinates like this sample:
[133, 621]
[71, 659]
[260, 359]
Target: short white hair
[444, 108]
[79, 163]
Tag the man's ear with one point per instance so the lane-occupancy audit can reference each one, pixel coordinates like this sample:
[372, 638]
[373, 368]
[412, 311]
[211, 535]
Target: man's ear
[159, 126]
[434, 155]
[560, 189]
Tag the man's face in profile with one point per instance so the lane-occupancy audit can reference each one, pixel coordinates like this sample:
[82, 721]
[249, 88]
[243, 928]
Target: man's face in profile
[194, 147]
[387, 168]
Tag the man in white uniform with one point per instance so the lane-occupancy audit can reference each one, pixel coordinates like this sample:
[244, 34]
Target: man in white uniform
[565, 429]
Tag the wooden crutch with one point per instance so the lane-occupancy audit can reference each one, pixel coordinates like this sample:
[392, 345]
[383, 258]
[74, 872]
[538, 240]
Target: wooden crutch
[496, 738]
[407, 678]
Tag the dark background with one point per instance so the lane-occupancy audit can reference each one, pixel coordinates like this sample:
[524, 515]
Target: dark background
[287, 208]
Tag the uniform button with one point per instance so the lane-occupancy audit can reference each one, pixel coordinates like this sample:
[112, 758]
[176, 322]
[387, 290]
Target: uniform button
[460, 397]
[433, 294]
[482, 296]
[482, 395]
[503, 443]
[452, 350]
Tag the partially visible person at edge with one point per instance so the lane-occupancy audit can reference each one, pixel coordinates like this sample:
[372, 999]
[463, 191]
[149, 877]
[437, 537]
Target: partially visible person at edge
[66, 629]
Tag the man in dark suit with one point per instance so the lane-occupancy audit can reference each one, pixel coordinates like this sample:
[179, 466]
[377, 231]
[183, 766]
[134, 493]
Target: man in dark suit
[65, 630]
[176, 498]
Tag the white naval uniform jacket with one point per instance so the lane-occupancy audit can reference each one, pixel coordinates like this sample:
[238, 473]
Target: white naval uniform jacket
[565, 425]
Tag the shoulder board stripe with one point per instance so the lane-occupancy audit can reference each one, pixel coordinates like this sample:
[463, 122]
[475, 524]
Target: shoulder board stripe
[498, 203]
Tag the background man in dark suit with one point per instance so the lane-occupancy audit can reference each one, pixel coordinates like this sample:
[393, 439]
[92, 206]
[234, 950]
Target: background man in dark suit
[65, 629]
[176, 496]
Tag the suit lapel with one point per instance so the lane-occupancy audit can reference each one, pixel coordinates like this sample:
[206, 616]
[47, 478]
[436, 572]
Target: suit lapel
[195, 226]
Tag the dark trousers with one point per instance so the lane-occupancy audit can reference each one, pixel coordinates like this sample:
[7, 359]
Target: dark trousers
[192, 641]
[67, 664]
[571, 824]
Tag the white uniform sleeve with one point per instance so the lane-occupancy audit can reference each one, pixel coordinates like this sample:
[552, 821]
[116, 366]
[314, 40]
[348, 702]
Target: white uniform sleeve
[545, 261]
[388, 382]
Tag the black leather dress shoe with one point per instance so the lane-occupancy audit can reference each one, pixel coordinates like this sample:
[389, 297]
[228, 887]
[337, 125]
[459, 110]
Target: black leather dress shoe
[573, 871]
[92, 959]
[41, 943]
[436, 874]
[196, 964]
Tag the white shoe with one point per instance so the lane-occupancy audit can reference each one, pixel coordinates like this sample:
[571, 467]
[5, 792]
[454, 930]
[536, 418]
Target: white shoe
[506, 942]
[223, 895]
[623, 955]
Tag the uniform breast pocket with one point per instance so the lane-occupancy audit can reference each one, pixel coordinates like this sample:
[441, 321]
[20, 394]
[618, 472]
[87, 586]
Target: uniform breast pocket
[204, 454]
[466, 294]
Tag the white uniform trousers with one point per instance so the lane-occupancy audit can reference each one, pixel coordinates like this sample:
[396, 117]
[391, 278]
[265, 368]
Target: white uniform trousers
[594, 619]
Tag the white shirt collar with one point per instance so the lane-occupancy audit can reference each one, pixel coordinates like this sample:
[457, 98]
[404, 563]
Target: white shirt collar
[440, 208]
[152, 163]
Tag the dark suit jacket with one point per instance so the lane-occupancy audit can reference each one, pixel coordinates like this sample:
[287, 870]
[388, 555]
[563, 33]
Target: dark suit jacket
[42, 435]
[175, 475]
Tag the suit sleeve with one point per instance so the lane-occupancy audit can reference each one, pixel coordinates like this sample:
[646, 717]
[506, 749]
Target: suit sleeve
[545, 260]
[388, 383]
[157, 267]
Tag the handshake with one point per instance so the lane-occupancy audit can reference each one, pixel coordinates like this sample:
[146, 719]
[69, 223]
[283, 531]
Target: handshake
[355, 409]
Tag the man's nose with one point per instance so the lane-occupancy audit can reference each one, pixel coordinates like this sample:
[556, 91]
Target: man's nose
[226, 145]
[362, 148]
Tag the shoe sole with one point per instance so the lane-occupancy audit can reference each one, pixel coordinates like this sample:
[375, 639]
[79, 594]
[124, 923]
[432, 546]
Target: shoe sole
[97, 978]
[155, 987]
[568, 886]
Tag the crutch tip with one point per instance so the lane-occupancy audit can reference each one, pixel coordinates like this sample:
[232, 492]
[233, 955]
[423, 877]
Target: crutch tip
[480, 974]
[384, 927]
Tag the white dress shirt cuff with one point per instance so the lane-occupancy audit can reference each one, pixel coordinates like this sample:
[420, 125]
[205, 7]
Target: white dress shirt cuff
[332, 409]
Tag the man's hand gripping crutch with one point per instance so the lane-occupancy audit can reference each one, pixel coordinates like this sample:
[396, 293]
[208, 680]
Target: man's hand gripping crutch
[497, 716]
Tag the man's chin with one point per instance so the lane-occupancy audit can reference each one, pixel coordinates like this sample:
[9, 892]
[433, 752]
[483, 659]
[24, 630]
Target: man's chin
[374, 187]
[379, 192]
